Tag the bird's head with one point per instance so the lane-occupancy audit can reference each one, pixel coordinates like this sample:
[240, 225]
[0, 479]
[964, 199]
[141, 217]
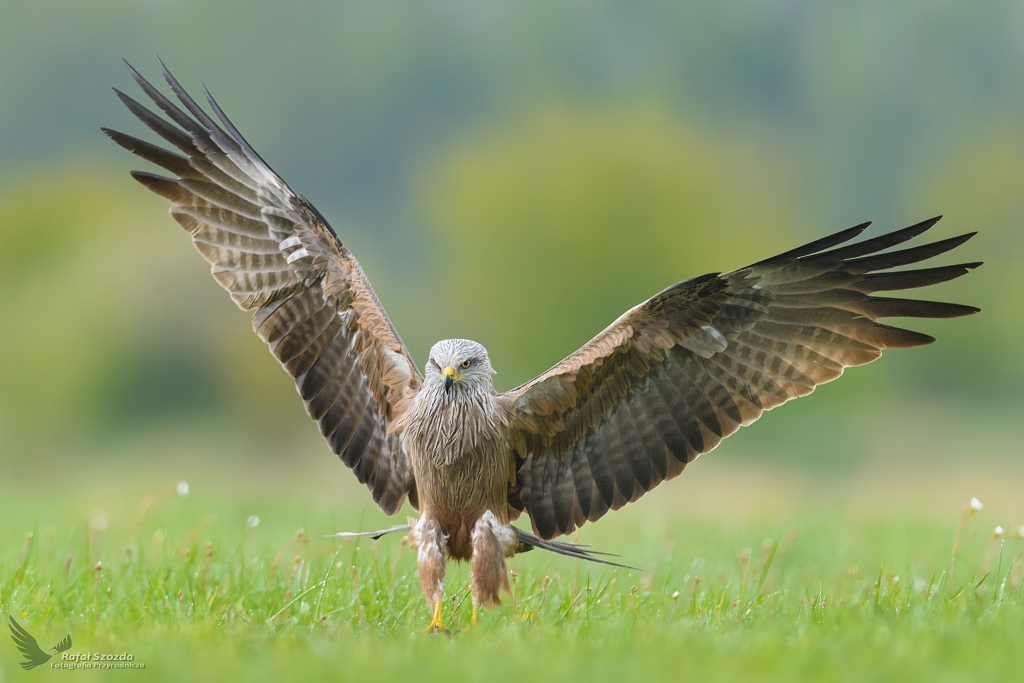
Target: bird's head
[458, 363]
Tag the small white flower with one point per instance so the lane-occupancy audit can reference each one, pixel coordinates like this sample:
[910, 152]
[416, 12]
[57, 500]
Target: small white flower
[976, 505]
[998, 533]
[252, 522]
[675, 595]
[182, 488]
[1020, 531]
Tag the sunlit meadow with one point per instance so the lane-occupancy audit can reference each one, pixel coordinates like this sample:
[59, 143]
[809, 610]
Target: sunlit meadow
[744, 572]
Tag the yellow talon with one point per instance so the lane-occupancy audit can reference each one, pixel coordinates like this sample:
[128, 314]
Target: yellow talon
[436, 624]
[473, 622]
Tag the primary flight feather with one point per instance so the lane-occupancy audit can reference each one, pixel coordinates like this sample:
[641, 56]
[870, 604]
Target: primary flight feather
[664, 383]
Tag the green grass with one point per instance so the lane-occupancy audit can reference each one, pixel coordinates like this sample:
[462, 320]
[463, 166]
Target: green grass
[815, 592]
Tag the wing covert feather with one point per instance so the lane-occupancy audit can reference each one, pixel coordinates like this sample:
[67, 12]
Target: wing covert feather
[675, 375]
[275, 254]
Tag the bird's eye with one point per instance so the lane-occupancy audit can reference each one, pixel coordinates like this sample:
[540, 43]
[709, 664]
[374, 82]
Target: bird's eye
[467, 363]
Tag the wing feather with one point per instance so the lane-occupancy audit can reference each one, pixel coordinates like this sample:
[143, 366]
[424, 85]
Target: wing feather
[275, 254]
[27, 645]
[675, 375]
[64, 644]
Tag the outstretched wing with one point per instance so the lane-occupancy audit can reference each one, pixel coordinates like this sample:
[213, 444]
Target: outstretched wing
[675, 375]
[28, 646]
[63, 645]
[275, 254]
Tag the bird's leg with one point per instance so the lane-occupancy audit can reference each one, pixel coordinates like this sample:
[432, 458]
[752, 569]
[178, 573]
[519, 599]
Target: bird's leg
[431, 545]
[492, 542]
[436, 623]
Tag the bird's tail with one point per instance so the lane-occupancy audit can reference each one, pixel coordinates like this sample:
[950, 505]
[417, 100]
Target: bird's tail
[372, 534]
[528, 541]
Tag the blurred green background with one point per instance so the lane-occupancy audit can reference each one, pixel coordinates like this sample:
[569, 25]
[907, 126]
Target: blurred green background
[516, 173]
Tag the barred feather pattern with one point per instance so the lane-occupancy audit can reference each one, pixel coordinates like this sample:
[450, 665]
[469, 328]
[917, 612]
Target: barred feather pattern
[275, 254]
[663, 384]
[675, 375]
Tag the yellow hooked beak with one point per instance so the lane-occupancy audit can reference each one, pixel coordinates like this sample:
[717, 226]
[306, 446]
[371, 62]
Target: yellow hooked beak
[449, 377]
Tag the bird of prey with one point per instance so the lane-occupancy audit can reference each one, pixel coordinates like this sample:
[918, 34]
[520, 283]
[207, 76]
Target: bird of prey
[664, 383]
[27, 645]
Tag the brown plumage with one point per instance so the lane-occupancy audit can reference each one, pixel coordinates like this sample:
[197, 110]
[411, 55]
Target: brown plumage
[664, 383]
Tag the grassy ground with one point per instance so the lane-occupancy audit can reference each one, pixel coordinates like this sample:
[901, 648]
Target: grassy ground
[753, 574]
